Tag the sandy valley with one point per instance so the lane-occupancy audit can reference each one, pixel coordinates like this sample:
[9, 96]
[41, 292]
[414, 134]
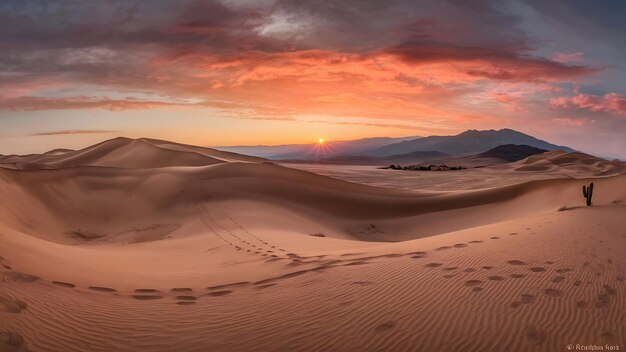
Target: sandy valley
[146, 245]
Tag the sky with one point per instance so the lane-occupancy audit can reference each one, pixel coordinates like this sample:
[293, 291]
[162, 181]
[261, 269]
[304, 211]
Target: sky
[209, 72]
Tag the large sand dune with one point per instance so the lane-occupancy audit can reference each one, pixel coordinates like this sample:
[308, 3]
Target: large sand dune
[134, 245]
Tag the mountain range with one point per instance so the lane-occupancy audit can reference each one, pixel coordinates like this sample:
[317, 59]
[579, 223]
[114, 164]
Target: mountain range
[315, 151]
[411, 149]
[467, 143]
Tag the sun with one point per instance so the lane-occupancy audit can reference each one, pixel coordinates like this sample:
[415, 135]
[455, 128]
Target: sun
[320, 141]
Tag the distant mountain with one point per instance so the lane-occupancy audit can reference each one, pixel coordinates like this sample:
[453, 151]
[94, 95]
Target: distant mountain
[512, 152]
[467, 143]
[314, 151]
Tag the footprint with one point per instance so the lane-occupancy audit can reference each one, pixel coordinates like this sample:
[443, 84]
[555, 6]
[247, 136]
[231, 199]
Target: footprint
[581, 304]
[449, 276]
[433, 265]
[460, 245]
[146, 290]
[602, 300]
[362, 283]
[234, 284]
[487, 267]
[527, 298]
[11, 305]
[469, 270]
[513, 234]
[11, 342]
[219, 293]
[552, 292]
[563, 270]
[517, 276]
[146, 297]
[386, 326]
[477, 289]
[558, 279]
[21, 277]
[496, 278]
[495, 238]
[538, 269]
[475, 241]
[356, 263]
[515, 304]
[185, 303]
[63, 284]
[534, 336]
[611, 291]
[450, 268]
[516, 262]
[102, 289]
[473, 282]
[442, 248]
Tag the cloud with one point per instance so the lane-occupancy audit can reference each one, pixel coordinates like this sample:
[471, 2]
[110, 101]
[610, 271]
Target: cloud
[493, 63]
[609, 102]
[401, 60]
[81, 102]
[567, 121]
[575, 56]
[66, 132]
[512, 103]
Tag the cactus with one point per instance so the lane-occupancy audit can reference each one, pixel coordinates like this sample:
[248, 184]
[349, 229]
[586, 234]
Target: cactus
[588, 193]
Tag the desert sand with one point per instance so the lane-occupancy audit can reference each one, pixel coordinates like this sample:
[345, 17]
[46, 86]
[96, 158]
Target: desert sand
[147, 245]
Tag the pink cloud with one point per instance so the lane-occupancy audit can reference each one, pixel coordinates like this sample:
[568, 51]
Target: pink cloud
[575, 56]
[569, 121]
[609, 102]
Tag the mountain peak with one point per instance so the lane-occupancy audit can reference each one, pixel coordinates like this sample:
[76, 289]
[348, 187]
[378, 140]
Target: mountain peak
[466, 143]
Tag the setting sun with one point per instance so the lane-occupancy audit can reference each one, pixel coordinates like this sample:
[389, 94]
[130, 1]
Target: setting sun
[320, 141]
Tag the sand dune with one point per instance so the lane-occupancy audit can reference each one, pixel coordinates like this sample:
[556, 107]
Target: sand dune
[141, 245]
[550, 165]
[126, 153]
[573, 164]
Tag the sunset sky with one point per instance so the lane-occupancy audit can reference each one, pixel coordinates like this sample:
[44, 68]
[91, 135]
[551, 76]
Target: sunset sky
[229, 72]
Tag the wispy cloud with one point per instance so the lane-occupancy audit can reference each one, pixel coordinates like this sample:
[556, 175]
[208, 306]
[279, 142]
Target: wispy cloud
[66, 132]
[81, 102]
[575, 56]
